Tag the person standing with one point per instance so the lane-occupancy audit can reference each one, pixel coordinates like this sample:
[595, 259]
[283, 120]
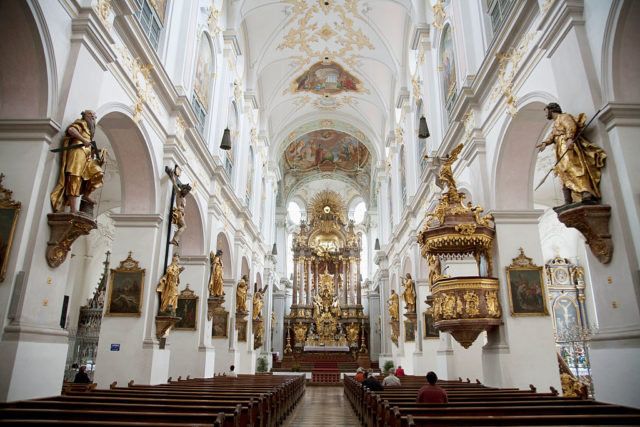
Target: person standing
[432, 393]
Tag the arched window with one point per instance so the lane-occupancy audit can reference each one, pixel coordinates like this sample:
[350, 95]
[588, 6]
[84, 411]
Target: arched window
[295, 215]
[448, 64]
[247, 196]
[151, 16]
[203, 81]
[232, 124]
[403, 176]
[422, 143]
[359, 212]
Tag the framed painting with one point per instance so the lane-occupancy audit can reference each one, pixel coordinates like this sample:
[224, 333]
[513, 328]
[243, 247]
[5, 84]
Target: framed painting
[430, 332]
[187, 310]
[409, 331]
[219, 325]
[526, 287]
[125, 289]
[242, 331]
[9, 210]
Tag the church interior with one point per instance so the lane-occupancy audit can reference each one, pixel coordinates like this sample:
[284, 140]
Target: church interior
[303, 188]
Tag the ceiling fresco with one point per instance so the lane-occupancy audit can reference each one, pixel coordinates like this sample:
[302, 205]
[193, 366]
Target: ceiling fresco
[326, 150]
[326, 77]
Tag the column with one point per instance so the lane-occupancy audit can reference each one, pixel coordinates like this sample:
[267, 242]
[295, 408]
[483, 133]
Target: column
[295, 281]
[136, 337]
[301, 280]
[519, 338]
[307, 281]
[315, 276]
[345, 281]
[335, 278]
[359, 293]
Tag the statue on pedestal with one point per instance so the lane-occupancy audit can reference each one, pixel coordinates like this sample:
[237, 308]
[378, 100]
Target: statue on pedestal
[81, 169]
[258, 302]
[168, 286]
[241, 294]
[216, 284]
[409, 294]
[578, 161]
[394, 306]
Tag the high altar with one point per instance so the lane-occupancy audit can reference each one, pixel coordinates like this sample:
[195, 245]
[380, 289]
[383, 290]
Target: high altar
[326, 311]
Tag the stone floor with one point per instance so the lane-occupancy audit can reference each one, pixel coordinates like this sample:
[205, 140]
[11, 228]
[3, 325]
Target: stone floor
[323, 406]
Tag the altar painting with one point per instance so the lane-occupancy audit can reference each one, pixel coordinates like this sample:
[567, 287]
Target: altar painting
[326, 78]
[326, 150]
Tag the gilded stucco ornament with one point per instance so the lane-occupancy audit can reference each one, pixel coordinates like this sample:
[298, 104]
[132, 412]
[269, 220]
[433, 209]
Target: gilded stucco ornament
[462, 306]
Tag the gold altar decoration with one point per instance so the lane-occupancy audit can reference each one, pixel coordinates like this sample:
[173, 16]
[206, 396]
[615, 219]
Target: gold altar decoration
[258, 331]
[462, 306]
[326, 308]
[65, 229]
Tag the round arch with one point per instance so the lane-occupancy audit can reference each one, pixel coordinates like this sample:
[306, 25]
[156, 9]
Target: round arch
[133, 154]
[516, 155]
[28, 88]
[193, 239]
[222, 243]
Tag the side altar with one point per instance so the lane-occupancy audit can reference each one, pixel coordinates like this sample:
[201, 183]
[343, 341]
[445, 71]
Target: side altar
[327, 320]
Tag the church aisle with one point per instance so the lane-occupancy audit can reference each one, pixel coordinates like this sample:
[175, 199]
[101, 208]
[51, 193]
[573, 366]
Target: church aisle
[323, 406]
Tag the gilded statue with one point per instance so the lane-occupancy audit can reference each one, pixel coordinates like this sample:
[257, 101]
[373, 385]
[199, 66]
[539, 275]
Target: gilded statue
[168, 286]
[81, 169]
[471, 303]
[394, 305]
[353, 330]
[216, 284]
[241, 294]
[448, 305]
[435, 272]
[177, 215]
[578, 160]
[446, 174]
[409, 294]
[258, 302]
[493, 309]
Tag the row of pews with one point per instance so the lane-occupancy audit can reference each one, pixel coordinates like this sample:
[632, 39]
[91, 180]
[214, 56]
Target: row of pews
[473, 404]
[248, 400]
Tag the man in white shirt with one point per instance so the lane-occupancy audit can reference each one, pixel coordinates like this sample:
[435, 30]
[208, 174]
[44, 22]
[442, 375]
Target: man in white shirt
[232, 372]
[391, 379]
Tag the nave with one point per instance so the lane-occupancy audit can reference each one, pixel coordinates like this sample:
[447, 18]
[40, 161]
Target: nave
[323, 406]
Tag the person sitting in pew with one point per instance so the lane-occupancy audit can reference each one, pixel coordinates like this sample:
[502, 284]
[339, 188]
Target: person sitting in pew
[359, 375]
[371, 382]
[81, 376]
[399, 371]
[391, 379]
[431, 393]
[232, 372]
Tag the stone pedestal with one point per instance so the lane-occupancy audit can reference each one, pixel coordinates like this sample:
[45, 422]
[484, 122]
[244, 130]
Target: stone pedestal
[65, 229]
[593, 222]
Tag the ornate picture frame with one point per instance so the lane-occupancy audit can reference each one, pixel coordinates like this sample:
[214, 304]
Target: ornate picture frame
[187, 310]
[9, 210]
[125, 289]
[430, 332]
[525, 281]
[241, 326]
[409, 331]
[220, 325]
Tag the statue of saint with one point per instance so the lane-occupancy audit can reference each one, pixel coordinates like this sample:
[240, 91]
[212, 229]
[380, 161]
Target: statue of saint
[168, 286]
[177, 216]
[241, 294]
[81, 170]
[434, 269]
[579, 168]
[409, 294]
[394, 305]
[258, 302]
[216, 284]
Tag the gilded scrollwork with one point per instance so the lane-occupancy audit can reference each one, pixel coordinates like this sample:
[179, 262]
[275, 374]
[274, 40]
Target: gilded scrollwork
[493, 308]
[471, 302]
[300, 332]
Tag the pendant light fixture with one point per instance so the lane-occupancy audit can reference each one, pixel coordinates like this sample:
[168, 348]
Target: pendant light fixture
[423, 131]
[226, 140]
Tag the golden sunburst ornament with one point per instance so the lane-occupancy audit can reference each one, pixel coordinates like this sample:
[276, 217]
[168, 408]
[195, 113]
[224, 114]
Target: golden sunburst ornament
[327, 202]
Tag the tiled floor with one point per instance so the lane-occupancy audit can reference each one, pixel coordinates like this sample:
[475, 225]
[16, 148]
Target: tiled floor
[323, 406]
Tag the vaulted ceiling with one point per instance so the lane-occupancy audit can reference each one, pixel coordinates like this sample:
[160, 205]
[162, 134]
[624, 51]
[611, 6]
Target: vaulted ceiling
[313, 61]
